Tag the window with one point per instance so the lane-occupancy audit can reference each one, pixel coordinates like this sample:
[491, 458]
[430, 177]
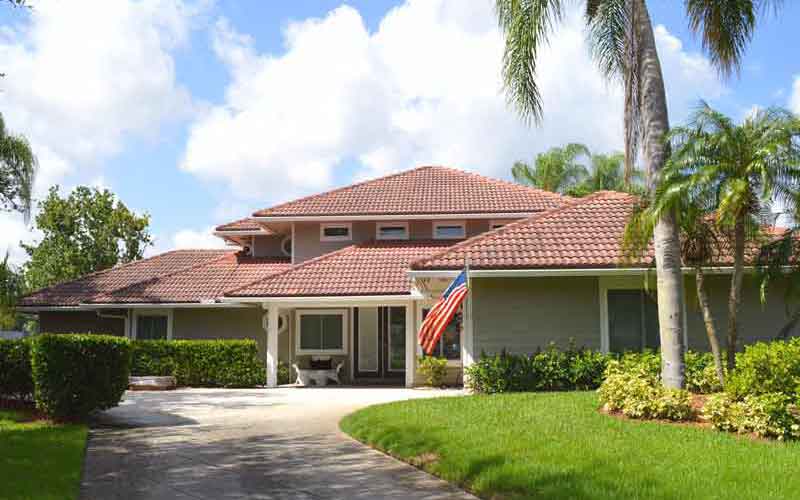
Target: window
[397, 338]
[152, 325]
[449, 345]
[321, 331]
[392, 231]
[335, 232]
[449, 230]
[632, 321]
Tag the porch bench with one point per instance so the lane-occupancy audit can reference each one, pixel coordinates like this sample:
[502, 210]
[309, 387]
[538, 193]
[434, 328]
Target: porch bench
[320, 377]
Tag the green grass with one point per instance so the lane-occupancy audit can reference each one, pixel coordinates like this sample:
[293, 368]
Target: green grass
[556, 445]
[38, 459]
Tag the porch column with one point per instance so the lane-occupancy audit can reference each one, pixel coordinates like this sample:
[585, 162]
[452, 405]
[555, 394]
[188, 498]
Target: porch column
[272, 345]
[411, 344]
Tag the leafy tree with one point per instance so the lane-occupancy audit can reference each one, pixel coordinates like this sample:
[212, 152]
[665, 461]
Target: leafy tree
[11, 289]
[623, 44]
[17, 168]
[740, 171]
[556, 170]
[87, 231]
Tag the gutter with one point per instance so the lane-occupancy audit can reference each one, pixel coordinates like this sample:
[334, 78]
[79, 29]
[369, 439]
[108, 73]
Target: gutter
[533, 273]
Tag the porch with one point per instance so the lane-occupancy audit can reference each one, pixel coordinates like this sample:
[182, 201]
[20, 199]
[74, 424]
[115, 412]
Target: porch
[372, 341]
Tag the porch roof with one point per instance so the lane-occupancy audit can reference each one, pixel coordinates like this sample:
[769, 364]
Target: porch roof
[373, 268]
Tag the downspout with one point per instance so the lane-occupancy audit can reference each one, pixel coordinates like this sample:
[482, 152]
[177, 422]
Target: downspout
[123, 317]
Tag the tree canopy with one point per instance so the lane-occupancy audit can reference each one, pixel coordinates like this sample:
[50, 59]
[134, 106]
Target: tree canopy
[17, 170]
[88, 230]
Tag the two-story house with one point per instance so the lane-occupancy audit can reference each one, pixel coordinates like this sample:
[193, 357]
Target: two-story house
[349, 275]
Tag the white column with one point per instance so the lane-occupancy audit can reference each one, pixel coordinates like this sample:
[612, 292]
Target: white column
[411, 343]
[467, 352]
[272, 345]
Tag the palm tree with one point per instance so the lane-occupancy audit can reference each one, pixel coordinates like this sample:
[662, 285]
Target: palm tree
[607, 173]
[701, 245]
[17, 170]
[555, 170]
[623, 44]
[745, 169]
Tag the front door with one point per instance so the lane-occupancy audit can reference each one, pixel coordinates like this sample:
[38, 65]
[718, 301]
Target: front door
[379, 342]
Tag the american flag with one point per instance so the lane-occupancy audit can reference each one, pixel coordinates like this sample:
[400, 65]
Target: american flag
[442, 312]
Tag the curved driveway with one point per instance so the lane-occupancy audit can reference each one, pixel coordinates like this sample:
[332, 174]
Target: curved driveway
[261, 443]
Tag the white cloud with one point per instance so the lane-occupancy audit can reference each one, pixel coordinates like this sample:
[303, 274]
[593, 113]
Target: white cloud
[81, 79]
[794, 100]
[12, 231]
[186, 238]
[424, 88]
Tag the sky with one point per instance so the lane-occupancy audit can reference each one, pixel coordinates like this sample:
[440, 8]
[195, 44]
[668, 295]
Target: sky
[199, 112]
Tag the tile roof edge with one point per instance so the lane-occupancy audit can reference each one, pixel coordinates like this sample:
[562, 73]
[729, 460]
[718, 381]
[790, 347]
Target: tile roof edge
[117, 267]
[155, 279]
[319, 258]
[534, 218]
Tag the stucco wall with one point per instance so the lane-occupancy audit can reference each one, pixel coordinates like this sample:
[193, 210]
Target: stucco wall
[268, 246]
[80, 322]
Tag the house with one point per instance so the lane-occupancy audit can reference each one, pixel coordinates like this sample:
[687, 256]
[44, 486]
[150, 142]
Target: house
[349, 274]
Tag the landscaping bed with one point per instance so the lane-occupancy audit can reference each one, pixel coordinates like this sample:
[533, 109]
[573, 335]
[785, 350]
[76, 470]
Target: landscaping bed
[557, 445]
[39, 459]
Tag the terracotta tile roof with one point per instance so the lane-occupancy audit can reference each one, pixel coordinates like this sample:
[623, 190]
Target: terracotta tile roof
[585, 233]
[371, 268]
[246, 224]
[424, 190]
[177, 276]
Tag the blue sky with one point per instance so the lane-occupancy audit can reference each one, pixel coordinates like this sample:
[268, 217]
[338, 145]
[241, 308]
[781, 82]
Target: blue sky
[200, 112]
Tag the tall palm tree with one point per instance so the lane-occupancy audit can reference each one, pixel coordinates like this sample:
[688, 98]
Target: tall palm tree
[745, 169]
[623, 44]
[555, 170]
[17, 170]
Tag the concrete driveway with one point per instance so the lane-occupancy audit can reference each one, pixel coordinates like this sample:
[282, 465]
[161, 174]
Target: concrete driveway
[261, 443]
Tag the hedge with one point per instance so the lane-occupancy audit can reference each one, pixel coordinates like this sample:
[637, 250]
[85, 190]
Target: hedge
[548, 370]
[16, 380]
[767, 368]
[75, 375]
[200, 363]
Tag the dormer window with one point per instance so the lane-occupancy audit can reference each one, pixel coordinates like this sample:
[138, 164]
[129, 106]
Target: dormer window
[449, 230]
[336, 232]
[392, 231]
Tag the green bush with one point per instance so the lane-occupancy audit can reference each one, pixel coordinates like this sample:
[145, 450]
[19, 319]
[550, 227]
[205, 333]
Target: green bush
[701, 375]
[75, 375]
[433, 369]
[284, 373]
[769, 415]
[634, 390]
[201, 363]
[767, 367]
[548, 370]
[15, 369]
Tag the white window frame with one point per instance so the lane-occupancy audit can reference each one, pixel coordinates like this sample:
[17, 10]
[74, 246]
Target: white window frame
[422, 305]
[299, 313]
[151, 312]
[326, 225]
[381, 225]
[439, 223]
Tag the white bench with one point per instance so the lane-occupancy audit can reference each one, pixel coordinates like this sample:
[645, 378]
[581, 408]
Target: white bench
[319, 377]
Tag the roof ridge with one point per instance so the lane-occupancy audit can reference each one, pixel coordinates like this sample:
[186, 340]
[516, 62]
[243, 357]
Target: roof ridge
[295, 267]
[342, 188]
[534, 218]
[155, 279]
[516, 185]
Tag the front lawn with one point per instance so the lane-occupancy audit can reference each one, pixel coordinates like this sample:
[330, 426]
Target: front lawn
[39, 459]
[556, 445]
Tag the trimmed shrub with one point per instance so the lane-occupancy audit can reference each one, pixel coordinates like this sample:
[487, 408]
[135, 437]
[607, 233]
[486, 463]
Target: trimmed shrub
[636, 393]
[433, 369]
[769, 415]
[75, 375]
[548, 370]
[15, 369]
[701, 376]
[767, 367]
[201, 363]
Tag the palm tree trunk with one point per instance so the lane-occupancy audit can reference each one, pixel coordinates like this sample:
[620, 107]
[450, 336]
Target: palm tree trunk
[708, 319]
[735, 297]
[655, 123]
